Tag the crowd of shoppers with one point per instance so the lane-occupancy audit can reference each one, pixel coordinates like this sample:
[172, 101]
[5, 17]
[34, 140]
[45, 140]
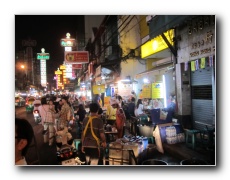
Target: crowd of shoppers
[55, 116]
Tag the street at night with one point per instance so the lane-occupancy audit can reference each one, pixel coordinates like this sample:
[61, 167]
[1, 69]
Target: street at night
[113, 94]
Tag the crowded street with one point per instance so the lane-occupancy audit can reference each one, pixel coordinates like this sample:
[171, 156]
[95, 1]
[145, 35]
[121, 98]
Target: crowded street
[130, 90]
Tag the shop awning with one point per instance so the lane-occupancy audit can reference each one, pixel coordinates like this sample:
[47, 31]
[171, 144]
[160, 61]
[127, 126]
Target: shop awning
[155, 69]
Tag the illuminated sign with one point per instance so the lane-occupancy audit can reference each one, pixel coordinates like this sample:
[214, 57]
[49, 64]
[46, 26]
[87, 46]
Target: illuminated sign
[157, 44]
[43, 56]
[62, 67]
[58, 72]
[76, 57]
[68, 42]
[43, 72]
[157, 90]
[76, 66]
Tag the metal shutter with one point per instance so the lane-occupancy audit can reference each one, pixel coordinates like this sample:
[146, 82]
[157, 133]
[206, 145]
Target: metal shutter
[202, 98]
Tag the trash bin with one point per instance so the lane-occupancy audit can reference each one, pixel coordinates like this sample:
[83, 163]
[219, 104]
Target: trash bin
[154, 162]
[193, 161]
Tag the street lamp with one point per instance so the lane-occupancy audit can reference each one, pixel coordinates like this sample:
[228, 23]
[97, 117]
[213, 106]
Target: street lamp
[24, 76]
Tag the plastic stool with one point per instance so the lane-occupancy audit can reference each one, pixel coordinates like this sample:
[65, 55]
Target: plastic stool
[192, 133]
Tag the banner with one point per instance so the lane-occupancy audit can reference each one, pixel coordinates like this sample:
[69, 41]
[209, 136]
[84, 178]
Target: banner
[202, 63]
[193, 68]
[210, 61]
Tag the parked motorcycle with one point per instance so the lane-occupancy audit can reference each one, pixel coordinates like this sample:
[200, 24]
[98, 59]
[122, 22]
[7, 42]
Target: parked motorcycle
[67, 154]
[37, 117]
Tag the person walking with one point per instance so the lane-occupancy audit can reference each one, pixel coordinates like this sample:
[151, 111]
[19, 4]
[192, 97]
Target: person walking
[131, 107]
[120, 117]
[93, 136]
[48, 119]
[63, 113]
[80, 116]
[23, 137]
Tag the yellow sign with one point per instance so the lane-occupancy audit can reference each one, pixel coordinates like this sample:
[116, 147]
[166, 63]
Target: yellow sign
[157, 90]
[157, 44]
[193, 67]
[202, 64]
[146, 91]
[62, 67]
[97, 89]
[58, 72]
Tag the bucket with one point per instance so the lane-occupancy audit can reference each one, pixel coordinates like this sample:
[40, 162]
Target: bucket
[193, 161]
[154, 162]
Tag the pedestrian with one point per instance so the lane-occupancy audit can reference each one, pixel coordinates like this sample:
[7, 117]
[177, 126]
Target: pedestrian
[80, 116]
[93, 136]
[139, 108]
[131, 107]
[36, 103]
[47, 113]
[63, 113]
[121, 102]
[97, 99]
[120, 117]
[134, 95]
[59, 104]
[23, 137]
[56, 103]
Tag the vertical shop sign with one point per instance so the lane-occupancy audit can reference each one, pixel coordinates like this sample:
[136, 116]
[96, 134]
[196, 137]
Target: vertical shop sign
[146, 91]
[157, 90]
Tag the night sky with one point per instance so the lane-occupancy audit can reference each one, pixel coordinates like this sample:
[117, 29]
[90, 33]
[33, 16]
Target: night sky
[47, 30]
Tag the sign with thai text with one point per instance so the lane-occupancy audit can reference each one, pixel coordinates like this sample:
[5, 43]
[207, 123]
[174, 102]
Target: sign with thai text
[157, 90]
[76, 57]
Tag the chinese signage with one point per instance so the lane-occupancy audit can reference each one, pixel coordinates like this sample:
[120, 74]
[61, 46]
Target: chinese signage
[58, 72]
[68, 42]
[68, 70]
[76, 66]
[43, 55]
[43, 72]
[76, 57]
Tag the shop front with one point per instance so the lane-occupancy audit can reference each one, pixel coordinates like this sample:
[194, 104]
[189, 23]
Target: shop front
[195, 72]
[158, 81]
